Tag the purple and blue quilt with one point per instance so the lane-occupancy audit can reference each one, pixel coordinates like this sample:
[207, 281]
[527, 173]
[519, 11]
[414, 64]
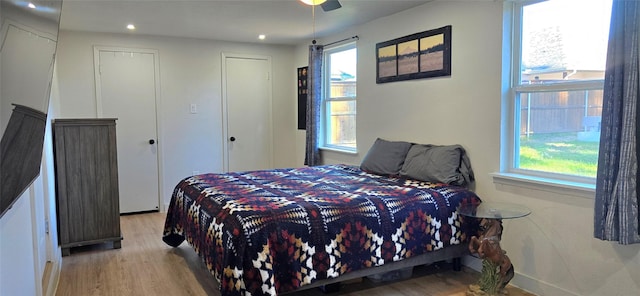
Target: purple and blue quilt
[274, 231]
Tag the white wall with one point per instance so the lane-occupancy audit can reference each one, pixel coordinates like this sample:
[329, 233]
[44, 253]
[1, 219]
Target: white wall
[17, 276]
[553, 249]
[190, 72]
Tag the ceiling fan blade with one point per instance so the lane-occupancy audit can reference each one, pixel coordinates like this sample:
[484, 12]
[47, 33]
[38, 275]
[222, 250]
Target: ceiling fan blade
[330, 5]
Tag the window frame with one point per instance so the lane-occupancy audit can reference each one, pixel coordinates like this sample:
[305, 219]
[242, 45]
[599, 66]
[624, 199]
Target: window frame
[326, 98]
[510, 157]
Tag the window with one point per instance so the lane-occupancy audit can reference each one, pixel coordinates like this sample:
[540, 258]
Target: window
[339, 99]
[556, 94]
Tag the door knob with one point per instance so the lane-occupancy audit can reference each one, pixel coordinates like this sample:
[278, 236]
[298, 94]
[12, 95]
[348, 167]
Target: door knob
[152, 141]
[232, 139]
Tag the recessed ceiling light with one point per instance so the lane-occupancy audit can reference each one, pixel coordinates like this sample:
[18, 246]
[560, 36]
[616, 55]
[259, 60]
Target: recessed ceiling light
[262, 36]
[31, 5]
[131, 27]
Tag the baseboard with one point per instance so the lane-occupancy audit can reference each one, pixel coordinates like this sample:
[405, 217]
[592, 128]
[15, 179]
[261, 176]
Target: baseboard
[539, 287]
[522, 281]
[54, 277]
[166, 207]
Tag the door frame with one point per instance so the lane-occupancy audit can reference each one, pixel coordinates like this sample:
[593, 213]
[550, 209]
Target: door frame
[156, 65]
[225, 123]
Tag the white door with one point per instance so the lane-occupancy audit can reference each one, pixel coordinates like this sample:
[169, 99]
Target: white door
[126, 89]
[247, 96]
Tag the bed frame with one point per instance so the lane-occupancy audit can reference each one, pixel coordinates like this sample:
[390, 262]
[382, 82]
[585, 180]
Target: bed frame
[448, 253]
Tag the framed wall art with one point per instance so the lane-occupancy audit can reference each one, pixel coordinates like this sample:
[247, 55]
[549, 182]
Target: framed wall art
[421, 55]
[302, 97]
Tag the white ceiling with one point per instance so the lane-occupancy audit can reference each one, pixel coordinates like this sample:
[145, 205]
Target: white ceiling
[282, 21]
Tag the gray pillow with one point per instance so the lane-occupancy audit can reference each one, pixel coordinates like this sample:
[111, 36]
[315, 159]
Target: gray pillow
[385, 157]
[432, 163]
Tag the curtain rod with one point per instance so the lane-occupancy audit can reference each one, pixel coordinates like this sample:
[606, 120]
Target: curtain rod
[343, 40]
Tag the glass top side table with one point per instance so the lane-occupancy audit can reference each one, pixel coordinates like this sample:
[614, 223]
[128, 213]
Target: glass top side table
[494, 210]
[497, 269]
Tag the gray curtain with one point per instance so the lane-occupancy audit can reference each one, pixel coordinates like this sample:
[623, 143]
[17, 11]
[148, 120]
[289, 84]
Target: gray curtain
[314, 99]
[616, 205]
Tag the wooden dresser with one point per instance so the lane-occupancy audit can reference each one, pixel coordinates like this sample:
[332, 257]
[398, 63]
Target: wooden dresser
[86, 182]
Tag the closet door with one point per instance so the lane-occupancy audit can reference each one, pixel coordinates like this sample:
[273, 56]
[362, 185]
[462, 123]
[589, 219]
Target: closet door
[247, 103]
[126, 81]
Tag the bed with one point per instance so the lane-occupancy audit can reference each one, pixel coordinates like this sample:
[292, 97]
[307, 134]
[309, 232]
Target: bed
[274, 231]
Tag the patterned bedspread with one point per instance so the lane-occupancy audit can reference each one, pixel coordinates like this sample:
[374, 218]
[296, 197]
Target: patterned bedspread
[268, 232]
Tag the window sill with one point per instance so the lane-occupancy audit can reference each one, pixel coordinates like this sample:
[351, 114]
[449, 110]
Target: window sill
[344, 151]
[584, 190]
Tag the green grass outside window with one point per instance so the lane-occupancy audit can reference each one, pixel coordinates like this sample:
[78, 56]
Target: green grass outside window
[559, 153]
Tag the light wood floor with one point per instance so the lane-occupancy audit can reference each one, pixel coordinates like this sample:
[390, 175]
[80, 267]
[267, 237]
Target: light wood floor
[147, 266]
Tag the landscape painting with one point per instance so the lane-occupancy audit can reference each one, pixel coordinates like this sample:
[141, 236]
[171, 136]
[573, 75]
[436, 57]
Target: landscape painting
[387, 64]
[408, 57]
[421, 55]
[432, 53]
